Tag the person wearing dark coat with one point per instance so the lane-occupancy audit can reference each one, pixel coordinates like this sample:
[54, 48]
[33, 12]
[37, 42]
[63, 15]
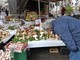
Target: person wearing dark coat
[68, 29]
[63, 10]
[7, 12]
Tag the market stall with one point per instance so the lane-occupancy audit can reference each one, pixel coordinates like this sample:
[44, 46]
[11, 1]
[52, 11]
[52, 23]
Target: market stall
[29, 35]
[45, 42]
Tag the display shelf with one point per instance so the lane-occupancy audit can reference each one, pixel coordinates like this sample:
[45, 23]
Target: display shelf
[5, 41]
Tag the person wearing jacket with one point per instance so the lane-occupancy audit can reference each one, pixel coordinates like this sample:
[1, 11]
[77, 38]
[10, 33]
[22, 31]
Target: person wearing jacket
[68, 29]
[63, 10]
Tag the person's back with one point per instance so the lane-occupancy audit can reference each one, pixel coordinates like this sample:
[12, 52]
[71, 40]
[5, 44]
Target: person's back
[74, 27]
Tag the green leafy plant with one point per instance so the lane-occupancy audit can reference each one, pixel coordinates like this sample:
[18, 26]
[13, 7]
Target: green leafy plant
[38, 34]
[69, 9]
[31, 38]
[44, 36]
[17, 39]
[11, 27]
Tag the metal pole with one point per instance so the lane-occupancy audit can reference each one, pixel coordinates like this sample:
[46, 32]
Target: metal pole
[56, 8]
[39, 8]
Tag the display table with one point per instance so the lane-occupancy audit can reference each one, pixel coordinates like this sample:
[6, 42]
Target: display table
[42, 43]
[5, 41]
[45, 43]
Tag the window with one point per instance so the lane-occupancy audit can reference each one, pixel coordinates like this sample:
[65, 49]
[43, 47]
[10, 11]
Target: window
[56, 3]
[51, 6]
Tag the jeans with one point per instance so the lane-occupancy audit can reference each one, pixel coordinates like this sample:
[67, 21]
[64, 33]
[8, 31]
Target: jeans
[74, 55]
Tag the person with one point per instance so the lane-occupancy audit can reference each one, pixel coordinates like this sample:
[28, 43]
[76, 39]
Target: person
[7, 12]
[2, 15]
[68, 29]
[63, 10]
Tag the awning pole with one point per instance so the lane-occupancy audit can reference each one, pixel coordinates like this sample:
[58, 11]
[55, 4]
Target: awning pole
[39, 8]
[56, 8]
